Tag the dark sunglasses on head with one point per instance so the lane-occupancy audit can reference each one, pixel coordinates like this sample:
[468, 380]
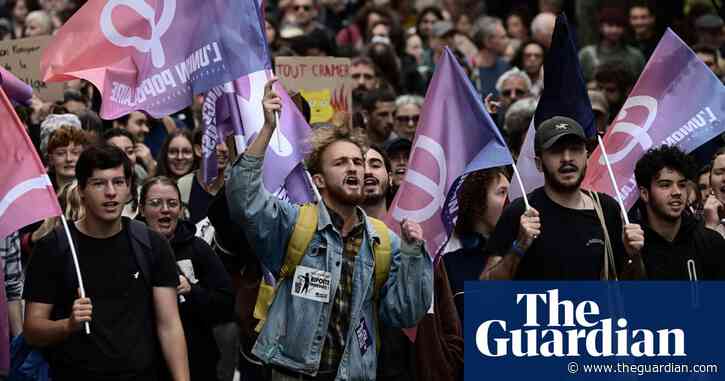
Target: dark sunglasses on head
[407, 119]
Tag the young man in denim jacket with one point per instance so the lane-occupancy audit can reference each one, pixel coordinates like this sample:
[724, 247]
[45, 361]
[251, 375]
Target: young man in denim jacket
[330, 335]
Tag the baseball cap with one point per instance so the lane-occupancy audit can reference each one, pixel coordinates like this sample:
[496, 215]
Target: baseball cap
[553, 129]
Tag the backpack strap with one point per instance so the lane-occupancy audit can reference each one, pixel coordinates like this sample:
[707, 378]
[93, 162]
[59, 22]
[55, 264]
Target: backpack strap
[142, 250]
[302, 234]
[382, 251]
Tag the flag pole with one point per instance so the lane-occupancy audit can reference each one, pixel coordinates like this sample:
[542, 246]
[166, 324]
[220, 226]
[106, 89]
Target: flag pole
[523, 191]
[614, 181]
[75, 264]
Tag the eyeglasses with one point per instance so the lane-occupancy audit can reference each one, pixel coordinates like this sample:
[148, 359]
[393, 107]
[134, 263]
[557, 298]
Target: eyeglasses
[357, 76]
[511, 92]
[183, 153]
[62, 153]
[407, 119]
[157, 203]
[306, 8]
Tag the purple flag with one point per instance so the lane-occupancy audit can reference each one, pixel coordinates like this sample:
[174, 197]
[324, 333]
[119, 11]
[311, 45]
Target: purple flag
[455, 136]
[282, 173]
[664, 107]
[564, 94]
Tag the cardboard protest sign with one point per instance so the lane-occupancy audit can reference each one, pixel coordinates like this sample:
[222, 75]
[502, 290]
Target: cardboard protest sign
[324, 82]
[22, 58]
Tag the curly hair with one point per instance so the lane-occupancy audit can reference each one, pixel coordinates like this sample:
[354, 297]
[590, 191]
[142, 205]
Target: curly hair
[65, 135]
[472, 200]
[655, 159]
[323, 137]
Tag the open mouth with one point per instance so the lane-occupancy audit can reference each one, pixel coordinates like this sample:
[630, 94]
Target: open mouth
[675, 204]
[110, 205]
[371, 181]
[352, 181]
[165, 222]
[400, 171]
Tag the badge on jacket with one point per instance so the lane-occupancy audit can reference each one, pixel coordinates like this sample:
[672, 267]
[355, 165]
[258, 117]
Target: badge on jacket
[311, 284]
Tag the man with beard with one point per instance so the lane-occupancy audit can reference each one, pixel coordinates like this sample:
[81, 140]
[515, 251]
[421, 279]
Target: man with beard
[560, 237]
[334, 334]
[376, 182]
[677, 246]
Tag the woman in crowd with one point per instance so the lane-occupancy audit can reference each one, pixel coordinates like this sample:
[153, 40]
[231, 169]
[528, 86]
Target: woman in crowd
[18, 10]
[176, 156]
[715, 202]
[481, 201]
[205, 290]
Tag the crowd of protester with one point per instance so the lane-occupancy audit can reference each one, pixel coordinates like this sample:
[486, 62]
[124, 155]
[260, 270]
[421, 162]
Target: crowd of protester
[178, 293]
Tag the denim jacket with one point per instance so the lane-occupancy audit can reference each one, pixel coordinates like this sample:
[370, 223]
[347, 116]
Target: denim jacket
[295, 330]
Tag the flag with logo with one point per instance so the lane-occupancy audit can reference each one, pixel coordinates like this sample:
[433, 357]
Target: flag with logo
[26, 194]
[664, 107]
[235, 109]
[456, 136]
[564, 94]
[155, 55]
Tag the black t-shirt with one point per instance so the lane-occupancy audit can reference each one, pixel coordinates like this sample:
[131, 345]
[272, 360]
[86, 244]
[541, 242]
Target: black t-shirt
[571, 244]
[122, 344]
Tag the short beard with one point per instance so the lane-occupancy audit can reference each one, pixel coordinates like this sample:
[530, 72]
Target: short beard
[551, 180]
[375, 198]
[659, 211]
[345, 198]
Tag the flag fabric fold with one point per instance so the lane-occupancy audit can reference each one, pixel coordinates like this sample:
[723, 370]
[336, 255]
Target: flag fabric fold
[26, 194]
[664, 107]
[18, 91]
[156, 55]
[564, 94]
[455, 136]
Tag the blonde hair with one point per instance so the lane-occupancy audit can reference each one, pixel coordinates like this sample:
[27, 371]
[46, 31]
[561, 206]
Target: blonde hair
[70, 201]
[323, 137]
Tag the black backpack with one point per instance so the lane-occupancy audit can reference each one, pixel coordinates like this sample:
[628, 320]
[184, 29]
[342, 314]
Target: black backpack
[138, 233]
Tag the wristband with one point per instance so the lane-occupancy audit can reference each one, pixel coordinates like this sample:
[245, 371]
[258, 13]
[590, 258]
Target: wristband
[517, 249]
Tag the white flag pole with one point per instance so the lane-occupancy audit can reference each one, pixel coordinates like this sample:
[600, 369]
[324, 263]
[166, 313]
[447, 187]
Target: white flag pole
[614, 181]
[523, 191]
[75, 264]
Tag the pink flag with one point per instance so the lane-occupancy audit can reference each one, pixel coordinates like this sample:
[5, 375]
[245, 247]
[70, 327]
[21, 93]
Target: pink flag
[154, 55]
[26, 194]
[664, 107]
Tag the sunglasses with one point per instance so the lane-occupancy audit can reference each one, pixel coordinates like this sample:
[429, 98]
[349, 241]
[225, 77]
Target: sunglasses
[408, 119]
[511, 92]
[361, 75]
[306, 8]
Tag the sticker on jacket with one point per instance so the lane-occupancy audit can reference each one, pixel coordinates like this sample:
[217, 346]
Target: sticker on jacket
[311, 284]
[363, 336]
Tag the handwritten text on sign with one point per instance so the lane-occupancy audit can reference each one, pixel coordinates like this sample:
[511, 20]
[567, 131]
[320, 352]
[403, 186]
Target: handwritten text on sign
[22, 57]
[324, 82]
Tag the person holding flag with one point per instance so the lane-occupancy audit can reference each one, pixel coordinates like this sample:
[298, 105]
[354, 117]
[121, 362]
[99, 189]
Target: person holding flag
[677, 246]
[563, 232]
[306, 334]
[131, 278]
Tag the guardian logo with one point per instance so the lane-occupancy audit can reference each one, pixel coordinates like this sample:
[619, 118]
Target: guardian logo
[148, 13]
[572, 330]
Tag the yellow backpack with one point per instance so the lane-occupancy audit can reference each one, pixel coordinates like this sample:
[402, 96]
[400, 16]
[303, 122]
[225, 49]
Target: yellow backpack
[302, 234]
